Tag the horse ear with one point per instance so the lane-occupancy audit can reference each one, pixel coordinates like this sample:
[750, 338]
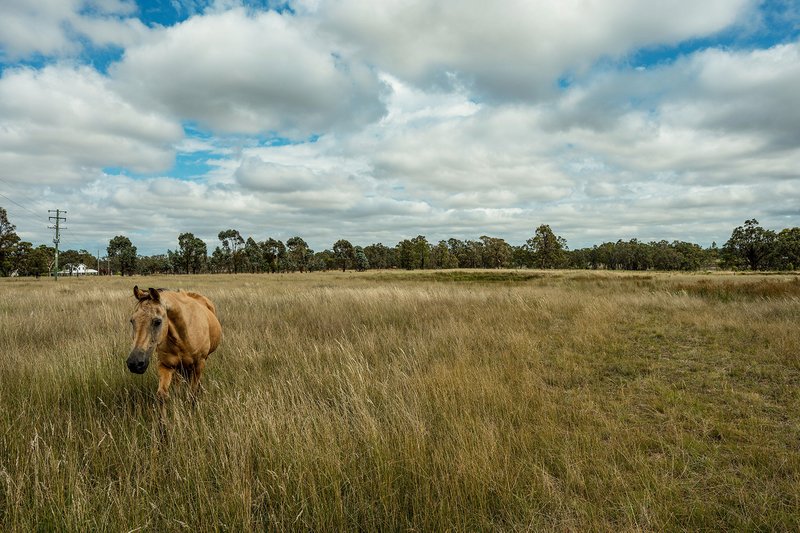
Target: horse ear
[140, 295]
[154, 295]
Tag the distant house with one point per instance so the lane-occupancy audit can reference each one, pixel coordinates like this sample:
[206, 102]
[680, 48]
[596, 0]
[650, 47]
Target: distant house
[77, 270]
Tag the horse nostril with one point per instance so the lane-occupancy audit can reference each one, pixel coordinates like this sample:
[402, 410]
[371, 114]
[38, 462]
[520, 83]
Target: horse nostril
[137, 367]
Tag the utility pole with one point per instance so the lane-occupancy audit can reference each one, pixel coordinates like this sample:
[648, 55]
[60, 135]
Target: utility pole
[58, 218]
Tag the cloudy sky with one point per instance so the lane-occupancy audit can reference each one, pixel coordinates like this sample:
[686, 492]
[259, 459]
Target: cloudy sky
[378, 121]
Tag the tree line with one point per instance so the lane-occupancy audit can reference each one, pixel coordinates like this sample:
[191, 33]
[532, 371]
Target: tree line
[750, 247]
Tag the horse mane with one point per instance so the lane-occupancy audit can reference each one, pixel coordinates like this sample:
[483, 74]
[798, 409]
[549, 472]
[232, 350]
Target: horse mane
[160, 290]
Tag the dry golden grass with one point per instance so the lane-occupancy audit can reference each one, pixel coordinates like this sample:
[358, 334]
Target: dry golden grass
[427, 401]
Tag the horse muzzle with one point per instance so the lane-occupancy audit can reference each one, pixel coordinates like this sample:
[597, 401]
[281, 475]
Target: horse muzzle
[138, 360]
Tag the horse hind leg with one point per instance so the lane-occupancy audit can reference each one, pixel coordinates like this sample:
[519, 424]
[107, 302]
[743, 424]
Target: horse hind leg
[197, 375]
[193, 377]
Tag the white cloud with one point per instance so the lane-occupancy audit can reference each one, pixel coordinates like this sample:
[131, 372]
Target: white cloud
[493, 156]
[49, 27]
[62, 123]
[237, 72]
[508, 49]
[276, 178]
[715, 116]
[753, 91]
[192, 145]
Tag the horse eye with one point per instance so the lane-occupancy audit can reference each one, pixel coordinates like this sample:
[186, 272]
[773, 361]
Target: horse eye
[131, 321]
[156, 321]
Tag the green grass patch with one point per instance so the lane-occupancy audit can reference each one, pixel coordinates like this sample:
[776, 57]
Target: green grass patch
[727, 291]
[462, 276]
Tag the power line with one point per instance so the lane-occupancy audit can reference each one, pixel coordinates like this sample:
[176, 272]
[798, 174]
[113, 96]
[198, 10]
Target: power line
[18, 204]
[39, 221]
[20, 195]
[26, 216]
[36, 215]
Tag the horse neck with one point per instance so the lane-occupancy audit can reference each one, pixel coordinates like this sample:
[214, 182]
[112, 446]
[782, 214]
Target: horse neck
[175, 312]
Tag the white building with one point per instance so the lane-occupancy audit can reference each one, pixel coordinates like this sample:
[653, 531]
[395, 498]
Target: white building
[77, 270]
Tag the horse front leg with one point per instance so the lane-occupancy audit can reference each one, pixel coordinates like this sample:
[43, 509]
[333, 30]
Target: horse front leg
[164, 379]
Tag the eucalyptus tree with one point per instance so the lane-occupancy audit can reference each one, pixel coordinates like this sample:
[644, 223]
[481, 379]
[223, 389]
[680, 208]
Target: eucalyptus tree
[547, 249]
[252, 258]
[122, 254]
[496, 252]
[274, 253]
[360, 259]
[422, 251]
[749, 246]
[232, 243]
[191, 255]
[442, 257]
[298, 253]
[343, 251]
[8, 243]
[380, 256]
[786, 252]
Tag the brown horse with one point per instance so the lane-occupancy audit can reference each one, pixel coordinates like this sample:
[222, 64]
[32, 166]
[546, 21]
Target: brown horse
[181, 328]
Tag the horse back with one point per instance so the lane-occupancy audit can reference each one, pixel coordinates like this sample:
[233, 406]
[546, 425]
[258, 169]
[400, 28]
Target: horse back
[196, 320]
[203, 300]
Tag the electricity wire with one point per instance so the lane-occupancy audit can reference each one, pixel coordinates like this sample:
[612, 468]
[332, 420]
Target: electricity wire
[28, 200]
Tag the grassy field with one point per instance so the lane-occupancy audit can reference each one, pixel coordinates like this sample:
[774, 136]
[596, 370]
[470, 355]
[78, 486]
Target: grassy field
[424, 401]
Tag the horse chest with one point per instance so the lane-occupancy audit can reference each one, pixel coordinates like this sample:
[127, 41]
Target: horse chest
[174, 355]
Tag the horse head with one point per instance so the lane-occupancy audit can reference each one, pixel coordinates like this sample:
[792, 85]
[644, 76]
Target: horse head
[148, 328]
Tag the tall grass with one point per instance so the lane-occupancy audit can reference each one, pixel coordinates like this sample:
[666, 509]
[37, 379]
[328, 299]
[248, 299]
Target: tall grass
[424, 401]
